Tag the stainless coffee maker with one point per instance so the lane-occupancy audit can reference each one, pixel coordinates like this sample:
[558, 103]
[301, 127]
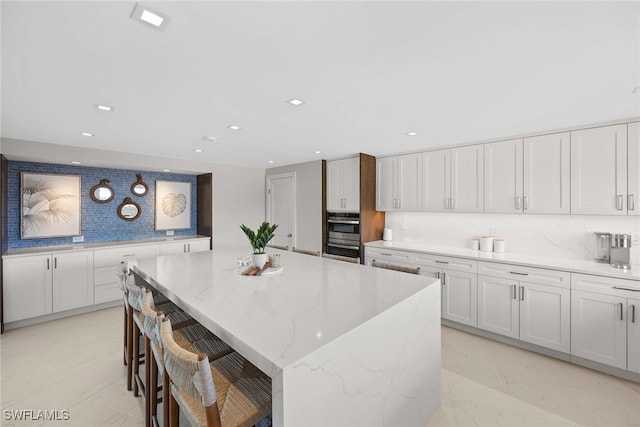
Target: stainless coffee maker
[614, 249]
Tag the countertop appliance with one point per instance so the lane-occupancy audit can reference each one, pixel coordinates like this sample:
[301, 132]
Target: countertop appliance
[343, 234]
[614, 249]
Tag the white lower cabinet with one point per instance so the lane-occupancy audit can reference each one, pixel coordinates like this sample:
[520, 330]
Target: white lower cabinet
[538, 314]
[42, 284]
[604, 321]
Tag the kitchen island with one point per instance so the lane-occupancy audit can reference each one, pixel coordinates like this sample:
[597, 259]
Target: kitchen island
[344, 344]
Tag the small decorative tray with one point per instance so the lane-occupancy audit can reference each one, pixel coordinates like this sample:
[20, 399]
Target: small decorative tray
[267, 270]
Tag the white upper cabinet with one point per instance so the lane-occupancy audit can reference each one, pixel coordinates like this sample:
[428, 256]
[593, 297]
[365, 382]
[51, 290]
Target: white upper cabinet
[343, 185]
[633, 169]
[547, 174]
[399, 183]
[467, 172]
[503, 177]
[453, 180]
[599, 171]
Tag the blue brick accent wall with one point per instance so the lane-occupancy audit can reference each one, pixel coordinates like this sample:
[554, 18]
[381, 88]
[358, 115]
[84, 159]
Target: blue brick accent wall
[100, 221]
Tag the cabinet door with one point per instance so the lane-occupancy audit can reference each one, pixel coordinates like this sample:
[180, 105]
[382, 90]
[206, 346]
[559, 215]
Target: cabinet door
[351, 184]
[633, 169]
[200, 245]
[547, 174]
[460, 297]
[27, 287]
[598, 328]
[171, 248]
[503, 176]
[498, 308]
[385, 184]
[633, 335]
[72, 280]
[467, 179]
[334, 186]
[599, 171]
[409, 186]
[436, 172]
[545, 313]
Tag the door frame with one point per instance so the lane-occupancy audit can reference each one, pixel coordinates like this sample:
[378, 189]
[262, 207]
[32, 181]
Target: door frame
[293, 198]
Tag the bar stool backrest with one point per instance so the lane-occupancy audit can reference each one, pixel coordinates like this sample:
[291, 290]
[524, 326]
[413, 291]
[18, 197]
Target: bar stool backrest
[135, 292]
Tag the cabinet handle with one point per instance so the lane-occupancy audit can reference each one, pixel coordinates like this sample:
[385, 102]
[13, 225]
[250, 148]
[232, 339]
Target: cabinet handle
[48, 266]
[526, 202]
[444, 278]
[620, 200]
[633, 314]
[513, 292]
[128, 255]
[55, 262]
[453, 203]
[189, 246]
[519, 274]
[442, 262]
[521, 293]
[518, 201]
[631, 204]
[622, 288]
[621, 307]
[438, 275]
[399, 203]
[447, 202]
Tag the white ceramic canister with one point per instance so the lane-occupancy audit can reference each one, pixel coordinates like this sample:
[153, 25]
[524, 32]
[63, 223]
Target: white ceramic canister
[486, 243]
[387, 234]
[475, 243]
[498, 244]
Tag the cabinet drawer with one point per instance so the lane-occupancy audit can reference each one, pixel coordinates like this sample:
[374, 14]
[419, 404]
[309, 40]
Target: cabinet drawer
[105, 275]
[605, 285]
[114, 256]
[107, 293]
[387, 255]
[436, 261]
[526, 274]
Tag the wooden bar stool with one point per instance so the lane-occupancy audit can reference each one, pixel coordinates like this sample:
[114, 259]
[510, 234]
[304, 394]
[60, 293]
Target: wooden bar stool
[229, 391]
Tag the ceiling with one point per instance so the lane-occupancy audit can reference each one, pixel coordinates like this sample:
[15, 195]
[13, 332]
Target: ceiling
[369, 73]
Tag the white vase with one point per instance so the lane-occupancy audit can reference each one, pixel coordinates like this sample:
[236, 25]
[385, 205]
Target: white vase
[259, 260]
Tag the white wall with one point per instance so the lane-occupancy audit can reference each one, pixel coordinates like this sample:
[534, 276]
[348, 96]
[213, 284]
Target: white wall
[308, 203]
[238, 192]
[567, 236]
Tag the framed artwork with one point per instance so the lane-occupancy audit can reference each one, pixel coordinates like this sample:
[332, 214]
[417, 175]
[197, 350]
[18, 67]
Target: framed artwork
[173, 205]
[50, 205]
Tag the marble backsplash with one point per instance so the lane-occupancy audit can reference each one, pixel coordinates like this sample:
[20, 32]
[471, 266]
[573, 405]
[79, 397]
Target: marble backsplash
[566, 236]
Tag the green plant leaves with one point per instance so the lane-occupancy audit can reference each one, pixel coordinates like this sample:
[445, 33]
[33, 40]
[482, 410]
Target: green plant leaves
[261, 237]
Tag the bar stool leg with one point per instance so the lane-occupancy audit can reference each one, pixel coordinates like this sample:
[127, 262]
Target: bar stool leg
[136, 358]
[129, 355]
[148, 389]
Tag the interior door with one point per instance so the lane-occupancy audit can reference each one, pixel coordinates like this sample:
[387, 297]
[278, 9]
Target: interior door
[281, 207]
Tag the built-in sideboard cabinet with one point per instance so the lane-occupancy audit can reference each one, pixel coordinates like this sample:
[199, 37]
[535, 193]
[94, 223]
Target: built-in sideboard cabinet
[588, 319]
[586, 171]
[38, 282]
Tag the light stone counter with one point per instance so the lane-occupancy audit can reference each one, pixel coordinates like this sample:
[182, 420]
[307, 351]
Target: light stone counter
[554, 263]
[344, 344]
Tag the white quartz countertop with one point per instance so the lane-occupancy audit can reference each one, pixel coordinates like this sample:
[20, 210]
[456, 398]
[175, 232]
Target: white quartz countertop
[564, 264]
[96, 245]
[276, 320]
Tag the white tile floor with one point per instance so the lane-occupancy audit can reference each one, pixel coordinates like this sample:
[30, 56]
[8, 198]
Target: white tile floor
[75, 364]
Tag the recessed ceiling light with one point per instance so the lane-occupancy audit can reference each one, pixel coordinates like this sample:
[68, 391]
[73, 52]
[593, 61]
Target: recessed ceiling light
[104, 107]
[210, 138]
[271, 161]
[412, 133]
[87, 134]
[150, 17]
[234, 127]
[197, 150]
[317, 152]
[166, 170]
[75, 162]
[295, 101]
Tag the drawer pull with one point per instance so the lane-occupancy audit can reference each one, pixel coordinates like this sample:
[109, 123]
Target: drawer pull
[382, 253]
[128, 255]
[442, 262]
[519, 274]
[622, 288]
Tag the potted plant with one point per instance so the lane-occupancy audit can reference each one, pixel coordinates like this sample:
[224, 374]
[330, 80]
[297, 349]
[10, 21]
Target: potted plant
[259, 240]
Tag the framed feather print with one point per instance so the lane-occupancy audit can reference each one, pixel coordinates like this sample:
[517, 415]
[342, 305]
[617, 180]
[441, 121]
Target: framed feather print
[50, 205]
[173, 205]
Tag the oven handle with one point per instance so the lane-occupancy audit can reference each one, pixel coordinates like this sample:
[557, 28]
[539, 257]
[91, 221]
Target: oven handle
[335, 245]
[344, 221]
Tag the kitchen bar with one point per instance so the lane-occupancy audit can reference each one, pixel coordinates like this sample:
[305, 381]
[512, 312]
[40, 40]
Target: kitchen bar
[344, 344]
